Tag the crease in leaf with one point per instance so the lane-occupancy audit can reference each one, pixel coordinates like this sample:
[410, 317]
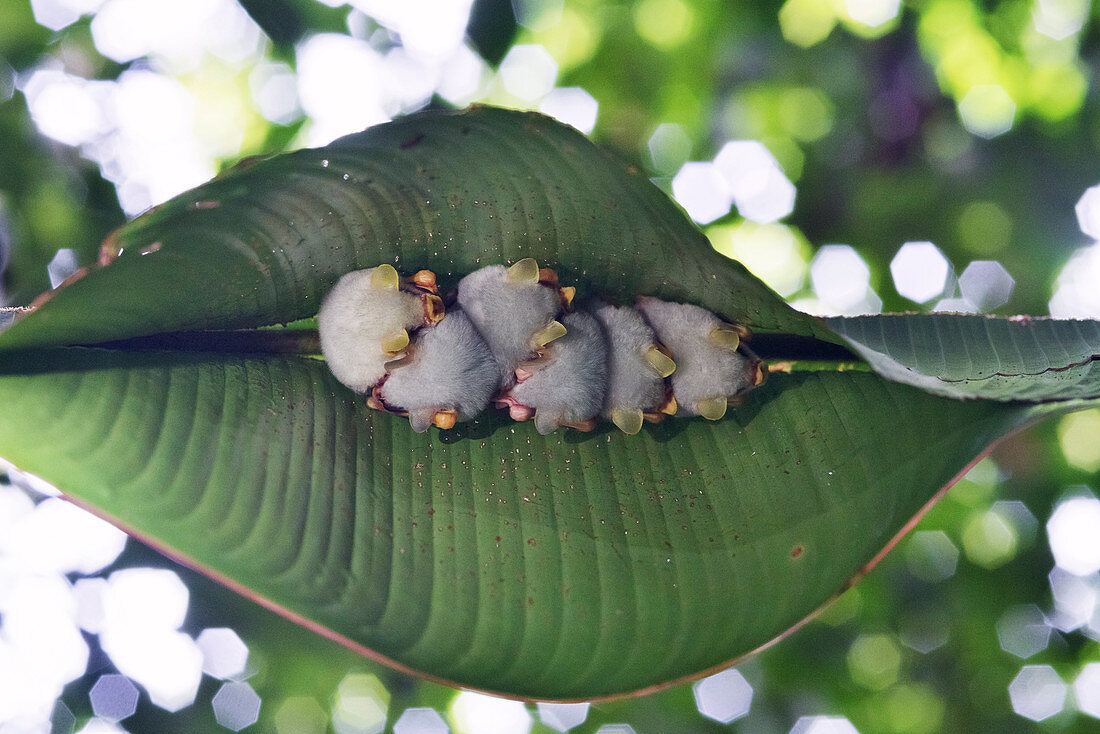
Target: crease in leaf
[971, 356]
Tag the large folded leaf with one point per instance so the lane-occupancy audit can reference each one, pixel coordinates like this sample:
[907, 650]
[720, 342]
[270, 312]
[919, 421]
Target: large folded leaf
[565, 566]
[449, 192]
[964, 356]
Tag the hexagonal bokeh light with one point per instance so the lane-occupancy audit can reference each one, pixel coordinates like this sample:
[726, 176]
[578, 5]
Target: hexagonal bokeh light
[1023, 631]
[616, 729]
[873, 12]
[755, 181]
[1086, 690]
[573, 106]
[699, 188]
[224, 654]
[528, 72]
[986, 284]
[360, 705]
[1088, 212]
[823, 725]
[420, 721]
[724, 697]
[1071, 531]
[114, 697]
[478, 713]
[1037, 692]
[840, 278]
[562, 716]
[236, 705]
[987, 110]
[920, 271]
[931, 556]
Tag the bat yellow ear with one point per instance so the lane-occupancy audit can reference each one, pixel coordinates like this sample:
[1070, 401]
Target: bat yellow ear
[712, 408]
[661, 363]
[725, 337]
[525, 271]
[394, 343]
[553, 330]
[628, 421]
[385, 277]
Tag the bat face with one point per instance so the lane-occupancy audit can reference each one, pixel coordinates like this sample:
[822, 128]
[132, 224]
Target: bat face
[449, 375]
[513, 340]
[513, 310]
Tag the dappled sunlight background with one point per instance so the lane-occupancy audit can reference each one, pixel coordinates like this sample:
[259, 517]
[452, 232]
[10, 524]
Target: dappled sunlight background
[858, 156]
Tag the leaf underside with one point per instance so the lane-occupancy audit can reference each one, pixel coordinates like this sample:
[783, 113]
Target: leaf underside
[449, 192]
[570, 566]
[566, 566]
[964, 356]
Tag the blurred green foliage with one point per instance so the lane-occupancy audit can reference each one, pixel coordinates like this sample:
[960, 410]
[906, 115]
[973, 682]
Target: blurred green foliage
[865, 121]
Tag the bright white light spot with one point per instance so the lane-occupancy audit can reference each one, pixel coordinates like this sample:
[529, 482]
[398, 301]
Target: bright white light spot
[1086, 690]
[463, 77]
[14, 506]
[360, 705]
[724, 697]
[114, 697]
[573, 106]
[59, 536]
[155, 153]
[420, 721]
[407, 82]
[1076, 295]
[669, 147]
[1060, 19]
[873, 13]
[701, 191]
[920, 271]
[1023, 631]
[823, 725]
[236, 705]
[224, 654]
[477, 713]
[1072, 532]
[528, 72]
[775, 253]
[931, 555]
[1088, 212]
[840, 277]
[616, 729]
[41, 648]
[89, 603]
[66, 108]
[429, 29]
[745, 164]
[1037, 692]
[167, 664]
[339, 85]
[177, 32]
[986, 284]
[274, 88]
[1075, 599]
[987, 110]
[57, 14]
[62, 266]
[562, 716]
[755, 180]
[99, 726]
[144, 600]
[538, 15]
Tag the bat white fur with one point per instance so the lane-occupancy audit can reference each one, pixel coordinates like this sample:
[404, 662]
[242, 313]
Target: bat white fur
[354, 319]
[570, 384]
[507, 314]
[703, 370]
[451, 368]
[633, 384]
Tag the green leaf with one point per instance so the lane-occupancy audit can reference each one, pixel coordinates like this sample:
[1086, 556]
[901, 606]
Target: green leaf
[449, 192]
[565, 566]
[966, 356]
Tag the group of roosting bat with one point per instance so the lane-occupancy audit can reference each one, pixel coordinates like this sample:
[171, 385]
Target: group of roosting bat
[514, 338]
